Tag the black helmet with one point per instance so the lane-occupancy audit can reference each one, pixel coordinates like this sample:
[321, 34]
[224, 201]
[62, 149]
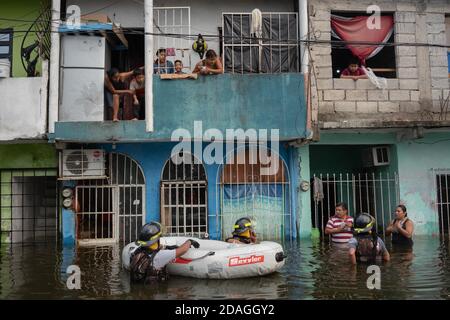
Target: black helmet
[150, 233]
[364, 223]
[242, 225]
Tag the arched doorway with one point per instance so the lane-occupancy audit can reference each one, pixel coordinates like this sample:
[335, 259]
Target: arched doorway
[248, 188]
[113, 209]
[184, 200]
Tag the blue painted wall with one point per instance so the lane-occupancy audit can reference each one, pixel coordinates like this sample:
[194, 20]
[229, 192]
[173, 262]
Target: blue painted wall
[258, 101]
[152, 158]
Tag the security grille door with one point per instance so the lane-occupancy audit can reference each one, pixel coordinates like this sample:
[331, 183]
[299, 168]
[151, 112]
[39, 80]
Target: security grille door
[184, 198]
[247, 190]
[443, 201]
[29, 206]
[112, 210]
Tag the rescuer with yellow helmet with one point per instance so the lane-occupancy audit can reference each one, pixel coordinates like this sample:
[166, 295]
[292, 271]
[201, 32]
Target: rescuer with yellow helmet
[243, 232]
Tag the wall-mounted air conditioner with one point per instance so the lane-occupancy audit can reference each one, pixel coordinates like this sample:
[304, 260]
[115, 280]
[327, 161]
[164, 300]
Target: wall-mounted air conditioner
[82, 164]
[376, 156]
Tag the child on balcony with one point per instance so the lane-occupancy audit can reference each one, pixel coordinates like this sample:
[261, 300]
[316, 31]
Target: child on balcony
[161, 64]
[211, 65]
[137, 85]
[116, 89]
[353, 71]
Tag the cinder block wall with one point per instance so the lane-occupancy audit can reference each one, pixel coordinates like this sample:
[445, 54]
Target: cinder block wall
[422, 72]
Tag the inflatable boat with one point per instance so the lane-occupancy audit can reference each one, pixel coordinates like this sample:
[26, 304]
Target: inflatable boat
[220, 260]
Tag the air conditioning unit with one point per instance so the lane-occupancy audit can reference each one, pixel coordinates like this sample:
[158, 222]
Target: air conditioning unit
[376, 156]
[83, 164]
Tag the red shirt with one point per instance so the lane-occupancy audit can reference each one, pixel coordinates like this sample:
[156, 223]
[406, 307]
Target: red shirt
[358, 72]
[343, 236]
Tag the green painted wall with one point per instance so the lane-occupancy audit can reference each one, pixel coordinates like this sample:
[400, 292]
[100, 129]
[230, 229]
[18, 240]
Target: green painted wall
[27, 156]
[418, 181]
[304, 197]
[19, 10]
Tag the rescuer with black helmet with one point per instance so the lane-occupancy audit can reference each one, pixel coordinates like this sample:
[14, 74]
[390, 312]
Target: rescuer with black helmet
[366, 245]
[243, 232]
[149, 261]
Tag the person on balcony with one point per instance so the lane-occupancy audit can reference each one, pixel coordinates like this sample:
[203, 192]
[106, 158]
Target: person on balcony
[353, 71]
[116, 89]
[340, 225]
[137, 85]
[243, 232]
[211, 65]
[179, 67]
[161, 64]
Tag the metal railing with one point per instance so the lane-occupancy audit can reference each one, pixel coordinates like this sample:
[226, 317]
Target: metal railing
[375, 193]
[275, 51]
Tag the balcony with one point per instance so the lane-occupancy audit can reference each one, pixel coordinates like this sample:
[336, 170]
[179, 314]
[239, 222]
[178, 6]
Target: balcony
[228, 101]
[23, 110]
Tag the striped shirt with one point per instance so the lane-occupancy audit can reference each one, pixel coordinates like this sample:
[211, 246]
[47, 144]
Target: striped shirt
[336, 222]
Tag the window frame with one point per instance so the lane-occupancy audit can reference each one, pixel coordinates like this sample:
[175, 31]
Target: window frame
[9, 56]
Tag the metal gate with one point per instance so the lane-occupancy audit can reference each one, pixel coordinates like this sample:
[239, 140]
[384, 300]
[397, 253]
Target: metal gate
[29, 205]
[443, 200]
[375, 193]
[245, 191]
[113, 209]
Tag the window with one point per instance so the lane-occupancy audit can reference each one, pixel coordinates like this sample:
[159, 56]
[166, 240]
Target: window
[381, 61]
[443, 201]
[184, 197]
[275, 51]
[6, 45]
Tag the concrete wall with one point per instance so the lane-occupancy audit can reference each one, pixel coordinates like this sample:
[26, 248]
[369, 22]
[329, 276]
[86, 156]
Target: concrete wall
[27, 156]
[26, 10]
[22, 111]
[422, 76]
[206, 15]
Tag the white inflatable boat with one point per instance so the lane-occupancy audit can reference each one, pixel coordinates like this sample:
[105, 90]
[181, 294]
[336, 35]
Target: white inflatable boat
[220, 260]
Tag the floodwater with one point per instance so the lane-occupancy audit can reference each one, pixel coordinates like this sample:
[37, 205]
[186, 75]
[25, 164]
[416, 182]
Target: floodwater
[314, 270]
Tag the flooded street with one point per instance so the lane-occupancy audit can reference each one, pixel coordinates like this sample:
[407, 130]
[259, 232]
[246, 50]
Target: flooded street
[314, 270]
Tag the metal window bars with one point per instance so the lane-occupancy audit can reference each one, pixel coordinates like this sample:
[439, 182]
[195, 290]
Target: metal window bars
[373, 193]
[277, 51]
[112, 210]
[184, 198]
[442, 178]
[172, 21]
[29, 205]
[245, 191]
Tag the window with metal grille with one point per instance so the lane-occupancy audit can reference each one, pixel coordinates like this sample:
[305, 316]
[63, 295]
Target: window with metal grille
[173, 20]
[275, 50]
[246, 190]
[6, 46]
[443, 202]
[184, 205]
[29, 205]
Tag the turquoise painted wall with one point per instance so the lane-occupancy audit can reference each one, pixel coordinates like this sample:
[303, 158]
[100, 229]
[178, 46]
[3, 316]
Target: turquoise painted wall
[260, 101]
[417, 181]
[304, 197]
[24, 10]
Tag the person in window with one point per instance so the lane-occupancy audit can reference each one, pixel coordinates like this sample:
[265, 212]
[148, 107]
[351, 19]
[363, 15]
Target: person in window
[401, 228]
[366, 246]
[116, 88]
[179, 67]
[148, 262]
[353, 71]
[137, 85]
[211, 65]
[340, 225]
[243, 232]
[161, 65]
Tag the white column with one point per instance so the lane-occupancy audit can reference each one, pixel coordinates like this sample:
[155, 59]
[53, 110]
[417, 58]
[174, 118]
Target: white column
[53, 104]
[148, 9]
[303, 23]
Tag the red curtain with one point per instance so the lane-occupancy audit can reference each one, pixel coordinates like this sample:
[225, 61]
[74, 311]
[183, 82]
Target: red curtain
[356, 29]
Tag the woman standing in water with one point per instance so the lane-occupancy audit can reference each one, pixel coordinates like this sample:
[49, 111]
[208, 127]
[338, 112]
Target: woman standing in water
[401, 228]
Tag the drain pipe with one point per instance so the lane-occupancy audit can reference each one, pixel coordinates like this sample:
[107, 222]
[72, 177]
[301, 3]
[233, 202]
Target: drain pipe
[148, 11]
[53, 102]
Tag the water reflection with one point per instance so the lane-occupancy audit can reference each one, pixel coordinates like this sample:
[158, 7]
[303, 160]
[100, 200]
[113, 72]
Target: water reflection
[314, 270]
